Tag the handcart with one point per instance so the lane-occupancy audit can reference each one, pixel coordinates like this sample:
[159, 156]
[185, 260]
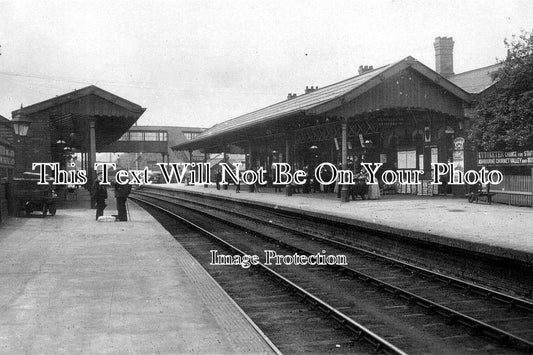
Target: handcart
[30, 196]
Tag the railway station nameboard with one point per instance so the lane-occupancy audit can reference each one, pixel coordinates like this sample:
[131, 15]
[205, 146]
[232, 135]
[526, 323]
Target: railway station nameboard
[515, 158]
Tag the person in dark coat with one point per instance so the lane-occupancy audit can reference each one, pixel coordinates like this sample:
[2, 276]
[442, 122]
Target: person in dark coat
[360, 188]
[218, 178]
[100, 195]
[121, 194]
[307, 185]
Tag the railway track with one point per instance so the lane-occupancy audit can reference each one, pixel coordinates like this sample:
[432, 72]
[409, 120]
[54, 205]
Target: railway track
[416, 309]
[511, 276]
[294, 320]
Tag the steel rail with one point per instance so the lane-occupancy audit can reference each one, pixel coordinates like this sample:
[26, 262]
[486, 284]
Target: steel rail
[449, 280]
[360, 331]
[432, 307]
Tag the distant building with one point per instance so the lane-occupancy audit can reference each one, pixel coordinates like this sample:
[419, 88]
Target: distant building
[145, 146]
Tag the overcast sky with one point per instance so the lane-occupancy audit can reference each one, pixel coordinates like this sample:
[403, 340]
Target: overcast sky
[197, 63]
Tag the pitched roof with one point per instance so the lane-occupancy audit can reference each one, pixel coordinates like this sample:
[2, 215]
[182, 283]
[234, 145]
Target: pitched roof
[327, 98]
[69, 113]
[477, 80]
[43, 105]
[297, 104]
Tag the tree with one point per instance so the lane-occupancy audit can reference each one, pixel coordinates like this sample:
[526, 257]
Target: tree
[503, 119]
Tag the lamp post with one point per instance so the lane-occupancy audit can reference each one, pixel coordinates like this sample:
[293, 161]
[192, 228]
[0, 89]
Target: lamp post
[21, 125]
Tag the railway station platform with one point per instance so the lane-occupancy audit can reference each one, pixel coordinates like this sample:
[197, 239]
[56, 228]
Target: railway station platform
[496, 229]
[73, 285]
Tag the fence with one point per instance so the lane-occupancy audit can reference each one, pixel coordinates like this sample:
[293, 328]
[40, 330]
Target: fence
[514, 190]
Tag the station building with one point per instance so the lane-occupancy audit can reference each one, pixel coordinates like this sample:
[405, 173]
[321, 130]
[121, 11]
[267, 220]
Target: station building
[7, 152]
[78, 125]
[404, 115]
[7, 163]
[85, 120]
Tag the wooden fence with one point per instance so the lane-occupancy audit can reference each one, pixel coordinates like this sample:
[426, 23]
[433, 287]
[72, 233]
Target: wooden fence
[514, 190]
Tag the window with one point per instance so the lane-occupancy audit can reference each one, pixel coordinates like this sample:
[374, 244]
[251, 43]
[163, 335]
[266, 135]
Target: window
[191, 135]
[162, 136]
[150, 136]
[407, 159]
[136, 136]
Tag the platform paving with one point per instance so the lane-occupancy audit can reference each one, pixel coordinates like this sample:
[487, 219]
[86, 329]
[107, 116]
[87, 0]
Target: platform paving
[495, 229]
[71, 285]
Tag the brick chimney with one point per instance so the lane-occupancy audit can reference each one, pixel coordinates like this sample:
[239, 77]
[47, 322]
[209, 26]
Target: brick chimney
[290, 96]
[366, 68]
[310, 89]
[444, 56]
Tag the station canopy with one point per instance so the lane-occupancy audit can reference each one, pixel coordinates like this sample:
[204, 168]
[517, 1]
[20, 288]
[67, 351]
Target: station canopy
[71, 113]
[316, 103]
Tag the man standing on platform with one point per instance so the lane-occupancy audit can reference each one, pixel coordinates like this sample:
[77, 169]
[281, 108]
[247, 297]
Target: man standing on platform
[99, 194]
[121, 194]
[218, 178]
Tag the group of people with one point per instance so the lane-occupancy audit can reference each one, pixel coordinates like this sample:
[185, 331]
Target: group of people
[99, 194]
[359, 188]
[218, 180]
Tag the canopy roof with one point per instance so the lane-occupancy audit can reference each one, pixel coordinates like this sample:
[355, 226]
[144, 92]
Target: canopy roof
[70, 115]
[323, 100]
[57, 101]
